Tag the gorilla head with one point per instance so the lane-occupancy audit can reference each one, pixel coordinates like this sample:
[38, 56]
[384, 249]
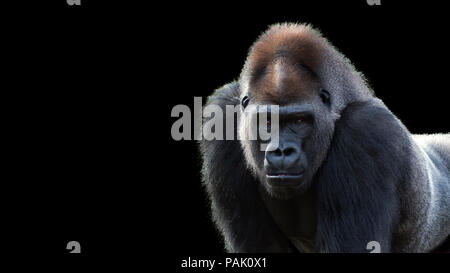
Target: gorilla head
[286, 67]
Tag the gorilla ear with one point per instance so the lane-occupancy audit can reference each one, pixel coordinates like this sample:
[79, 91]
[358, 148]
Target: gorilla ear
[245, 101]
[325, 96]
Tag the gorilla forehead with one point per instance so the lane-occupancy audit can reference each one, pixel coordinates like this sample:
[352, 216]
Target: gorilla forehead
[284, 82]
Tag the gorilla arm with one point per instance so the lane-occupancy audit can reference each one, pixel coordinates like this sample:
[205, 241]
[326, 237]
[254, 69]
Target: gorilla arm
[237, 208]
[375, 186]
[357, 182]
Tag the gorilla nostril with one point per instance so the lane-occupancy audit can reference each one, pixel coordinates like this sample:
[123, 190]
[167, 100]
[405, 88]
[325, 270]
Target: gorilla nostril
[288, 151]
[278, 152]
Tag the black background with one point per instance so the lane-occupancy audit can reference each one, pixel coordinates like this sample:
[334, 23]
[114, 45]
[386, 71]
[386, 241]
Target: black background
[93, 87]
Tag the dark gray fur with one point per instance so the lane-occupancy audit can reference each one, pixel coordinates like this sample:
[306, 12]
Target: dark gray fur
[378, 182]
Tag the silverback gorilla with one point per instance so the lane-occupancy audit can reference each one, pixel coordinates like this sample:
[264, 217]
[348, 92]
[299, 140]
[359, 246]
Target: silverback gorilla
[346, 171]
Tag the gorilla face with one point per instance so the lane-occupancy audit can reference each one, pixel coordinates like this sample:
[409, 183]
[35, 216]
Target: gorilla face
[306, 124]
[286, 166]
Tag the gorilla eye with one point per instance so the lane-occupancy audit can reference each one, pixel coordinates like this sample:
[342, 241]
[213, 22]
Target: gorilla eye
[299, 121]
[325, 96]
[245, 101]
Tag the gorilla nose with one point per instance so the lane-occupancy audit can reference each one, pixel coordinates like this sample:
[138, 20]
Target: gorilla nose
[283, 158]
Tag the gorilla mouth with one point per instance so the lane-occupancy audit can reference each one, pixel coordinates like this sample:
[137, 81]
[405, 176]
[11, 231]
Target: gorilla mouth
[284, 174]
[285, 179]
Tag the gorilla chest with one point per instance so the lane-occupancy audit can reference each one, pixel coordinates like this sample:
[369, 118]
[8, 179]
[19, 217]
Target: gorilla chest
[296, 218]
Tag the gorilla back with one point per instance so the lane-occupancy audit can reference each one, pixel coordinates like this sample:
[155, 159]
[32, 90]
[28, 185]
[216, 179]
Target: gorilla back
[345, 170]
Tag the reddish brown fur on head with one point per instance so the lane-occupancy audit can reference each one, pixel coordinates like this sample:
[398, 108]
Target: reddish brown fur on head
[282, 63]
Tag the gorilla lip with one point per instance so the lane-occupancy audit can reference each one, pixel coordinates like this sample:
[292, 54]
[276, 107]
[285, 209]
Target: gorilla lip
[284, 179]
